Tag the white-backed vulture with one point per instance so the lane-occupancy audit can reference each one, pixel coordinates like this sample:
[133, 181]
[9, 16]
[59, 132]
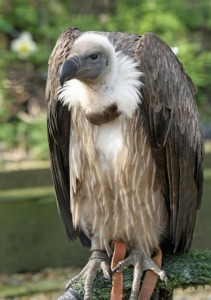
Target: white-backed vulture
[125, 146]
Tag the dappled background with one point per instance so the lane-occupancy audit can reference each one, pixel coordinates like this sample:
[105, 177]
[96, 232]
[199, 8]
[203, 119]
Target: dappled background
[31, 235]
[184, 25]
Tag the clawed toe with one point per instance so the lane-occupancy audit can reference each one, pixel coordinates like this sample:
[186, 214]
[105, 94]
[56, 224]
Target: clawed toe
[163, 277]
[141, 263]
[98, 260]
[119, 267]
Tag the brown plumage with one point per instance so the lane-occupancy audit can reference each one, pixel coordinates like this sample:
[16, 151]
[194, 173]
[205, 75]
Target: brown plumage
[133, 171]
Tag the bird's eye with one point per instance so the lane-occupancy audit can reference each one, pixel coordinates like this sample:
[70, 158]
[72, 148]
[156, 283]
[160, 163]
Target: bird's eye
[94, 57]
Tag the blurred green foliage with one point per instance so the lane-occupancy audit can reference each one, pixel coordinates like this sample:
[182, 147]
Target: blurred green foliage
[26, 137]
[185, 24]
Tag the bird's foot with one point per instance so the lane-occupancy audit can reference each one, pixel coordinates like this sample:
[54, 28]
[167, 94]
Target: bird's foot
[141, 263]
[98, 260]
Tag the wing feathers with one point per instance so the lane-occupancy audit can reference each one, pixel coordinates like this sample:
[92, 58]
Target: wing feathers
[172, 122]
[58, 124]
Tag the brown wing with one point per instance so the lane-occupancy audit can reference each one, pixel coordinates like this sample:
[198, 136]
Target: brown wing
[58, 126]
[172, 123]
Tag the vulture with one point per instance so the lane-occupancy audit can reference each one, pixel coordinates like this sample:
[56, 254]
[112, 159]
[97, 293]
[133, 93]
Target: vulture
[126, 148]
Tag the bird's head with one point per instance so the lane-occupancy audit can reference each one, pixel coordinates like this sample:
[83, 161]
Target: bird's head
[92, 60]
[100, 81]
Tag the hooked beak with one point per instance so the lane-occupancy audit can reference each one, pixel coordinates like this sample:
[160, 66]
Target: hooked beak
[69, 69]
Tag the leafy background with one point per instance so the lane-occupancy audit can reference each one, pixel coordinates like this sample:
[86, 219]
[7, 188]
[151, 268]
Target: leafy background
[185, 24]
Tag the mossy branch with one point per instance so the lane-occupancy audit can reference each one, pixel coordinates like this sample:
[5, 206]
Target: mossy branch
[183, 270]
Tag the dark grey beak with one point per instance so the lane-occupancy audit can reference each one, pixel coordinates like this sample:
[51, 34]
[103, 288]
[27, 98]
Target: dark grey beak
[69, 69]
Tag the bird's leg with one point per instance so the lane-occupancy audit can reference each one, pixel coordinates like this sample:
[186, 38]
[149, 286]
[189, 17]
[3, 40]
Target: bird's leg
[141, 263]
[98, 260]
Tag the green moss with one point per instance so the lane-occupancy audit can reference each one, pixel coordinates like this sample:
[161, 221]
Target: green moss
[183, 270]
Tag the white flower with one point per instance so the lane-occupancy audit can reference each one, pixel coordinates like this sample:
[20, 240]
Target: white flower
[175, 50]
[24, 45]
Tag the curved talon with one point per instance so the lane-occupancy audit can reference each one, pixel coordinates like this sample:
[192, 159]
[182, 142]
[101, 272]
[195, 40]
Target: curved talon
[162, 275]
[120, 265]
[165, 279]
[69, 284]
[106, 271]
